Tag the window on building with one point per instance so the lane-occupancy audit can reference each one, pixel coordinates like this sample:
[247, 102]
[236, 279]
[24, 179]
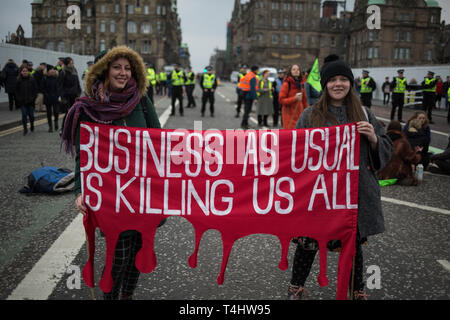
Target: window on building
[369, 53]
[146, 47]
[298, 40]
[432, 19]
[430, 55]
[89, 12]
[286, 22]
[130, 9]
[286, 39]
[138, 3]
[59, 13]
[112, 26]
[132, 27]
[146, 28]
[275, 6]
[312, 40]
[50, 46]
[297, 23]
[407, 53]
[103, 8]
[371, 35]
[375, 53]
[102, 26]
[49, 31]
[275, 38]
[61, 47]
[274, 22]
[102, 45]
[408, 36]
[88, 29]
[132, 44]
[286, 6]
[333, 42]
[116, 8]
[299, 7]
[146, 9]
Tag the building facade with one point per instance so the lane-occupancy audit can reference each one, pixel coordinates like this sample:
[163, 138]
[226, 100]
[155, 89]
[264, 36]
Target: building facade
[279, 33]
[151, 27]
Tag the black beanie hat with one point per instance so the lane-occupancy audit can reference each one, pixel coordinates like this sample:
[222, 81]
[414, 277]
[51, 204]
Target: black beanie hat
[335, 67]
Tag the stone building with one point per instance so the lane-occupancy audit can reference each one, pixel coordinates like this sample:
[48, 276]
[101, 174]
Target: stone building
[150, 27]
[279, 33]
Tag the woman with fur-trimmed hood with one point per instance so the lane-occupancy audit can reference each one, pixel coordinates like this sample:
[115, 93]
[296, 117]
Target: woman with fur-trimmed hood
[116, 94]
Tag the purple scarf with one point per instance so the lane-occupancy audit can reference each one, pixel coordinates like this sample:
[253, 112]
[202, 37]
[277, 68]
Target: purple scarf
[103, 108]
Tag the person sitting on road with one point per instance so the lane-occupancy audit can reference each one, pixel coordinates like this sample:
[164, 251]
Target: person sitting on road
[420, 135]
[440, 163]
[403, 159]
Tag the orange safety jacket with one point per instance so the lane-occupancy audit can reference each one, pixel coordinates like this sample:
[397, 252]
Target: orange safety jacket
[244, 83]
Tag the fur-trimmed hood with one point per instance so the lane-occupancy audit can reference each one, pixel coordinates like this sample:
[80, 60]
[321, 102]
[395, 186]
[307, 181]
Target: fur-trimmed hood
[100, 68]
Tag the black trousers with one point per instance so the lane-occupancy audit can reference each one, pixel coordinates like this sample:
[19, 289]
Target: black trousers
[124, 272]
[304, 259]
[386, 97]
[247, 110]
[398, 100]
[150, 93]
[240, 100]
[190, 95]
[276, 109]
[12, 101]
[429, 101]
[177, 93]
[366, 99]
[52, 109]
[208, 96]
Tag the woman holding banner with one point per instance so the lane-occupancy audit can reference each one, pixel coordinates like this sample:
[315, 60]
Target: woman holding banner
[340, 105]
[116, 95]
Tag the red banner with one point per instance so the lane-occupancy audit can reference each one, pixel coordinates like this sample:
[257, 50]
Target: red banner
[286, 183]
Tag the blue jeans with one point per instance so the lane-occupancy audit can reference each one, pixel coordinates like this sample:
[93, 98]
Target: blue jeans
[27, 111]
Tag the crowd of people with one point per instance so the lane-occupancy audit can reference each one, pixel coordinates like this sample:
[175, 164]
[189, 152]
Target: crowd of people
[119, 91]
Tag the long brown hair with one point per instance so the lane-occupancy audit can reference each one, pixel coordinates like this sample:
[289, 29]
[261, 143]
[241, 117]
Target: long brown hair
[416, 115]
[320, 114]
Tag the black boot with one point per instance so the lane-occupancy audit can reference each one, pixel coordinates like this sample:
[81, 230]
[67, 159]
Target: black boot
[32, 126]
[50, 127]
[56, 125]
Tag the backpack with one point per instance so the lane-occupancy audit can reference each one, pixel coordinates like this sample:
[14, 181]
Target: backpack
[49, 180]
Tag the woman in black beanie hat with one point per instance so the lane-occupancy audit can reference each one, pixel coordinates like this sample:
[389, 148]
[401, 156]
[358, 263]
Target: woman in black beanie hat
[340, 105]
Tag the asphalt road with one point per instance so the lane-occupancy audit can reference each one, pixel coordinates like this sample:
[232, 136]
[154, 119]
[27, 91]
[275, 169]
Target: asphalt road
[412, 255]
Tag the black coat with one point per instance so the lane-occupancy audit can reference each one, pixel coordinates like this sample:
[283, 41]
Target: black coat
[9, 74]
[26, 91]
[50, 90]
[68, 82]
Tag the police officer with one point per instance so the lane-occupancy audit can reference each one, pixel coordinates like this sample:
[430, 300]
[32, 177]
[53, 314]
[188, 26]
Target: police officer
[429, 94]
[163, 82]
[208, 84]
[399, 87]
[151, 79]
[190, 86]
[368, 85]
[89, 65]
[177, 78]
[240, 93]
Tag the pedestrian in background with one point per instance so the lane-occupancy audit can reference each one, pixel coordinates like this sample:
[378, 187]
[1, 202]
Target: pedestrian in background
[368, 85]
[69, 87]
[429, 95]
[190, 87]
[276, 94]
[265, 99]
[116, 94]
[39, 76]
[249, 86]
[239, 92]
[399, 86]
[26, 93]
[9, 77]
[51, 97]
[439, 91]
[446, 90]
[177, 90]
[292, 97]
[208, 83]
[386, 88]
[312, 95]
[340, 105]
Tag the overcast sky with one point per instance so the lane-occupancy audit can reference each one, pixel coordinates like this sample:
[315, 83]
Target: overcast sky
[203, 23]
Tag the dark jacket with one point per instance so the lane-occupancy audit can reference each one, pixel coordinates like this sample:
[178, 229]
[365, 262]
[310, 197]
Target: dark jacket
[370, 216]
[26, 91]
[50, 89]
[69, 84]
[9, 74]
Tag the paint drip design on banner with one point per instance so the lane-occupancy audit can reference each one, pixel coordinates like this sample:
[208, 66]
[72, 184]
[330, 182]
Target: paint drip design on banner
[286, 183]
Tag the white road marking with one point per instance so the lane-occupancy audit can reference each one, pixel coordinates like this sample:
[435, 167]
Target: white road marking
[48, 271]
[445, 264]
[415, 205]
